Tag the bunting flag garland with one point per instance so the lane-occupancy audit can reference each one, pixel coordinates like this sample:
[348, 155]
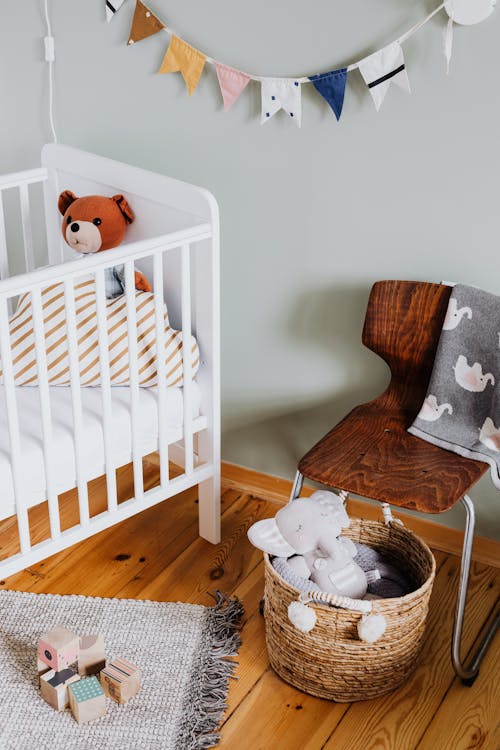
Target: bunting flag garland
[379, 70]
[281, 93]
[183, 58]
[331, 86]
[112, 7]
[144, 24]
[383, 68]
[232, 82]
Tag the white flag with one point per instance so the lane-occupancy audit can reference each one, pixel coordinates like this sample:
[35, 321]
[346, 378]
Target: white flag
[112, 7]
[281, 93]
[383, 68]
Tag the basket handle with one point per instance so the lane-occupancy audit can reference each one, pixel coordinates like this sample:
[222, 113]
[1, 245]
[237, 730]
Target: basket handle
[336, 600]
[370, 626]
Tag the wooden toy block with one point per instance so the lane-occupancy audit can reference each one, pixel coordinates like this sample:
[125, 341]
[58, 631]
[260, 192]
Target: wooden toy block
[87, 700]
[120, 680]
[42, 668]
[54, 687]
[58, 648]
[92, 657]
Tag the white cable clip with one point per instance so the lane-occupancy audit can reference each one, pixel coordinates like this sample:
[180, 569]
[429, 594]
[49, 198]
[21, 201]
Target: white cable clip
[50, 50]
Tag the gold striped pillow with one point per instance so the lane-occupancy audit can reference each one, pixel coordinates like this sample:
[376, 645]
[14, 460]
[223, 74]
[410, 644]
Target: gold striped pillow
[56, 345]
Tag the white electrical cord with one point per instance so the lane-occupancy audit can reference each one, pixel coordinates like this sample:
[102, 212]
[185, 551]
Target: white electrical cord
[50, 58]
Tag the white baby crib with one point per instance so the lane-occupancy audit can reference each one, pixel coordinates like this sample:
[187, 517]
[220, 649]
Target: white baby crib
[53, 438]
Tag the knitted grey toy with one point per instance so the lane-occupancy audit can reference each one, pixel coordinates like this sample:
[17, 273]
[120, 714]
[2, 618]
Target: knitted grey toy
[384, 579]
[285, 570]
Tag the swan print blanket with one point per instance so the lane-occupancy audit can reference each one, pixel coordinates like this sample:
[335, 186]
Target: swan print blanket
[461, 411]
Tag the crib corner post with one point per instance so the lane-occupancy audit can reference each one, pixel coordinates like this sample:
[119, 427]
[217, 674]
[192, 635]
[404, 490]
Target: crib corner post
[209, 490]
[209, 508]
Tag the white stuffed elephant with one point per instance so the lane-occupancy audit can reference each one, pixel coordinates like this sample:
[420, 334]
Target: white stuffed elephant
[310, 529]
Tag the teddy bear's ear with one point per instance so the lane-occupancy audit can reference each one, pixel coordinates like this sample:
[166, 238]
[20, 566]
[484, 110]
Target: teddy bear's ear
[65, 200]
[124, 208]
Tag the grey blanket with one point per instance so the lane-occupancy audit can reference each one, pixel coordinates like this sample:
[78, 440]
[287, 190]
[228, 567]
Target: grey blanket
[461, 411]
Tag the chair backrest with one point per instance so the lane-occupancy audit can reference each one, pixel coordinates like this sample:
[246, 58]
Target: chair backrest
[402, 325]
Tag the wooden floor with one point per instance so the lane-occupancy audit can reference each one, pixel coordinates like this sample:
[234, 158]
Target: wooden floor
[158, 555]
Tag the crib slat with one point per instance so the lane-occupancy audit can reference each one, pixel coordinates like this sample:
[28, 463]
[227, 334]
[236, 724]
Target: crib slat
[187, 357]
[13, 423]
[102, 331]
[44, 393]
[26, 224]
[161, 367]
[4, 258]
[76, 399]
[134, 377]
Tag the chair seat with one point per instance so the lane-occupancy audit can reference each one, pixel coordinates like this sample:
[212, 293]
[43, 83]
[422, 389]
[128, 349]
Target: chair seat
[370, 453]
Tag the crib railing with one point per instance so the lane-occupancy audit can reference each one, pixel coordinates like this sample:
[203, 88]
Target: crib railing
[19, 183]
[33, 283]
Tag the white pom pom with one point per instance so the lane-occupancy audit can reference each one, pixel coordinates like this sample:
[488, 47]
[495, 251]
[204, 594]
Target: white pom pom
[302, 617]
[371, 627]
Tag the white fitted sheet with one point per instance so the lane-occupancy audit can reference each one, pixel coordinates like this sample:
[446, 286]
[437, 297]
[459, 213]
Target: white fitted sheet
[32, 464]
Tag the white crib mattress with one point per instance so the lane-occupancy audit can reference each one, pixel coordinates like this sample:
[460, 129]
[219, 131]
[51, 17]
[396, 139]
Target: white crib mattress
[32, 463]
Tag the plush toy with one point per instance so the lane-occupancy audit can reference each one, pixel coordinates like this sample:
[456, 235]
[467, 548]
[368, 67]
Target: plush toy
[310, 529]
[95, 223]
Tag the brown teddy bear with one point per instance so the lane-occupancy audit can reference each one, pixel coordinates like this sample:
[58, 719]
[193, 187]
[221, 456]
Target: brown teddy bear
[95, 223]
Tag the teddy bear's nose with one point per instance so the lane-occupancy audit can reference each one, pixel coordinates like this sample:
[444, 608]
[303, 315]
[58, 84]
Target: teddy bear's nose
[75, 227]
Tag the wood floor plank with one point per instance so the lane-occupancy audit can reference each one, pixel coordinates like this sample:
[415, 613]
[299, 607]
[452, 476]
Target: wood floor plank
[252, 658]
[157, 564]
[469, 717]
[276, 715]
[282, 702]
[203, 567]
[468, 721]
[399, 720]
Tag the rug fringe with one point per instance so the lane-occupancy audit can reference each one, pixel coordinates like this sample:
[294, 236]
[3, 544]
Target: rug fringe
[205, 713]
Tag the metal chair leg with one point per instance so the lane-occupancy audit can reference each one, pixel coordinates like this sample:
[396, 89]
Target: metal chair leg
[468, 673]
[297, 486]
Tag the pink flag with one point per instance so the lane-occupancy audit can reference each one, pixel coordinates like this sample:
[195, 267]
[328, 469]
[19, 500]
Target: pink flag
[232, 82]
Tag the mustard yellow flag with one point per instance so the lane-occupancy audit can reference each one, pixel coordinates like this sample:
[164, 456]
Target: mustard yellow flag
[186, 59]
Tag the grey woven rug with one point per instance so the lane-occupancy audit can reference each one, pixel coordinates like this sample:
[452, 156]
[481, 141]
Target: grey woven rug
[182, 650]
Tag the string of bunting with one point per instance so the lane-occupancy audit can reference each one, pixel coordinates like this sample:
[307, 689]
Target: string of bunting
[379, 70]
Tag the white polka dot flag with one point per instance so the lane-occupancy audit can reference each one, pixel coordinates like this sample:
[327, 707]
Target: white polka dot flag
[378, 70]
[112, 7]
[281, 93]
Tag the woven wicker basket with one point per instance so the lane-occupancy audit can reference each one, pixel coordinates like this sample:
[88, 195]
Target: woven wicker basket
[331, 661]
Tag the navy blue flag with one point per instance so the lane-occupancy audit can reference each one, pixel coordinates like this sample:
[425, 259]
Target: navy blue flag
[331, 86]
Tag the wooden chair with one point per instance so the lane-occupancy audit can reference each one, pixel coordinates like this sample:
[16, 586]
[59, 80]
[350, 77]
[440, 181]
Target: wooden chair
[370, 452]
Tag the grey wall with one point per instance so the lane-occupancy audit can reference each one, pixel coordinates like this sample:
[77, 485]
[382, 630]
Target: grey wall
[311, 217]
